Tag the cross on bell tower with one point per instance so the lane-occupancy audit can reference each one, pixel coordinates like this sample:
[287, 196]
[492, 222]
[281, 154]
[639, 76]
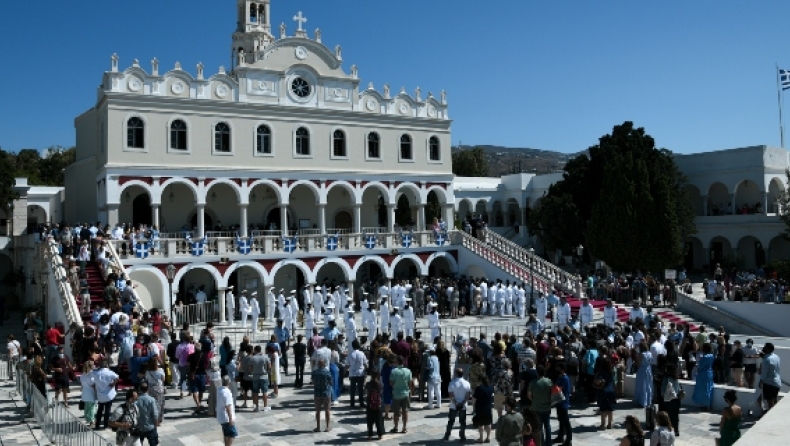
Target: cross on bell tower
[300, 20]
[253, 31]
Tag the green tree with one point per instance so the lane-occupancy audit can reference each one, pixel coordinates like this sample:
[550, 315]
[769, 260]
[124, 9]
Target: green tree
[27, 165]
[625, 201]
[470, 163]
[52, 165]
[7, 174]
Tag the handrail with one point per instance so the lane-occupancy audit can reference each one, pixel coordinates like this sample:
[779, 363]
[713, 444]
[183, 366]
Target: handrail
[548, 270]
[52, 261]
[118, 265]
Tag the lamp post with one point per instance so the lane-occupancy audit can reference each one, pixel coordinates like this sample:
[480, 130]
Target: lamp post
[171, 274]
[531, 275]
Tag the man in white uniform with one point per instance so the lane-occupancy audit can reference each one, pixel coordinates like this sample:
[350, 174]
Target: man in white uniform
[294, 310]
[520, 294]
[280, 302]
[395, 322]
[230, 305]
[609, 314]
[384, 311]
[318, 301]
[337, 298]
[373, 328]
[585, 313]
[351, 327]
[484, 296]
[363, 303]
[433, 323]
[563, 313]
[408, 318]
[200, 296]
[329, 313]
[501, 294]
[244, 308]
[637, 312]
[285, 314]
[271, 304]
[307, 296]
[255, 310]
[309, 321]
[509, 300]
[542, 306]
[492, 292]
[384, 293]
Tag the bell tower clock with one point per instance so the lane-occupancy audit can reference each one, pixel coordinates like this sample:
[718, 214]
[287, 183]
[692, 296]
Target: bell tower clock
[253, 31]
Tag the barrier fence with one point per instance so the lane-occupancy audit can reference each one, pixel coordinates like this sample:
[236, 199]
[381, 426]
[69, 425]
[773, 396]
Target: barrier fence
[59, 425]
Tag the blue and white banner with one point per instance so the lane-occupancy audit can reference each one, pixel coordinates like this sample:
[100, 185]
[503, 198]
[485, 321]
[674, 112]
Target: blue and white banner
[197, 248]
[141, 250]
[289, 244]
[332, 243]
[244, 245]
[370, 241]
[406, 240]
[440, 239]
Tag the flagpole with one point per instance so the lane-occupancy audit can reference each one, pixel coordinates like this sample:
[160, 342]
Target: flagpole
[779, 100]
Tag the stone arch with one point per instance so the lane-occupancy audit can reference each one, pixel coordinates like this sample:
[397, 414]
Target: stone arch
[718, 199]
[464, 208]
[412, 192]
[352, 191]
[183, 181]
[385, 269]
[310, 185]
[720, 251]
[497, 214]
[210, 218]
[512, 212]
[308, 274]
[210, 268]
[342, 218]
[135, 204]
[402, 262]
[481, 208]
[326, 263]
[220, 181]
[695, 197]
[451, 262]
[278, 190]
[152, 287]
[384, 190]
[751, 252]
[440, 192]
[136, 183]
[36, 215]
[222, 199]
[776, 188]
[747, 197]
[267, 279]
[778, 248]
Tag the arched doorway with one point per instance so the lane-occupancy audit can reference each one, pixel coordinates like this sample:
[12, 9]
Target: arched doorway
[291, 277]
[779, 248]
[245, 278]
[694, 254]
[440, 267]
[370, 271]
[406, 268]
[751, 253]
[141, 210]
[719, 251]
[343, 220]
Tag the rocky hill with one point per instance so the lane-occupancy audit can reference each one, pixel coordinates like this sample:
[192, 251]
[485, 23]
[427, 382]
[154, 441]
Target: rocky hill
[507, 160]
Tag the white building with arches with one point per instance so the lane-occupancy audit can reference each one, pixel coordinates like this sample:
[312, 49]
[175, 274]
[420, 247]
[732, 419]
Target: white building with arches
[283, 146]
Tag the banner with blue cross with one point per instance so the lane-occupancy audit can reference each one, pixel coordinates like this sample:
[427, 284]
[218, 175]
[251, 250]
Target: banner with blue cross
[370, 241]
[289, 244]
[197, 248]
[141, 250]
[244, 245]
[441, 238]
[332, 242]
[405, 240]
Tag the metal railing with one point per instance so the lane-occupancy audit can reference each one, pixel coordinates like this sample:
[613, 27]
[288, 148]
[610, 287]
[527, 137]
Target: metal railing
[118, 266]
[54, 263]
[59, 425]
[196, 313]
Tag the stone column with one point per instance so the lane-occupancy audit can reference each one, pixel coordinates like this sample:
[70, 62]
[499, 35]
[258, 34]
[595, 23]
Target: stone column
[733, 208]
[19, 216]
[155, 215]
[765, 202]
[112, 214]
[390, 218]
[243, 220]
[705, 205]
[421, 216]
[221, 303]
[449, 216]
[357, 218]
[351, 293]
[201, 220]
[322, 219]
[284, 218]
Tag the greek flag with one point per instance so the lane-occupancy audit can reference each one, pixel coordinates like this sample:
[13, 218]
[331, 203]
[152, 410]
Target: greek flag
[289, 244]
[243, 245]
[331, 243]
[196, 248]
[406, 240]
[440, 239]
[141, 250]
[784, 79]
[370, 241]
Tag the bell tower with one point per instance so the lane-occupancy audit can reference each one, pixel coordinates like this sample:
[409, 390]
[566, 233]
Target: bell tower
[253, 31]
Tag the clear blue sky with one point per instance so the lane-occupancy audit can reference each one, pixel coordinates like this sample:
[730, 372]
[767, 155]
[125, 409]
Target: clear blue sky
[556, 75]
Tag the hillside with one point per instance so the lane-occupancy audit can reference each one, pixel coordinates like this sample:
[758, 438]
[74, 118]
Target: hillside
[506, 160]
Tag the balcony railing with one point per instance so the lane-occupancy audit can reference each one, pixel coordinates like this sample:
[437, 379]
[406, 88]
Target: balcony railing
[271, 242]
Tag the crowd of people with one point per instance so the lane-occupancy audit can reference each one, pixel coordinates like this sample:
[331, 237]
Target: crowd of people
[754, 285]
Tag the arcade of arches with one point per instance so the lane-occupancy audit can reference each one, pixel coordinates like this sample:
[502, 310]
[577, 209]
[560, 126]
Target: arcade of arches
[747, 252]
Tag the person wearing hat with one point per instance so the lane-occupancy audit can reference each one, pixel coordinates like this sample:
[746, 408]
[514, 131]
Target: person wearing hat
[318, 300]
[372, 323]
[395, 321]
[363, 303]
[329, 311]
[307, 296]
[433, 322]
[384, 314]
[408, 317]
[563, 313]
[294, 306]
[244, 308]
[350, 326]
[286, 313]
[230, 305]
[255, 311]
[519, 295]
[585, 313]
[339, 302]
[609, 314]
[309, 320]
[541, 307]
[280, 300]
[271, 304]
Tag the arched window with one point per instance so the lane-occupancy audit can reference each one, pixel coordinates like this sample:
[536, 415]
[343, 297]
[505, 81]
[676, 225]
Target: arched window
[253, 13]
[405, 147]
[339, 143]
[263, 140]
[222, 137]
[433, 149]
[135, 133]
[178, 135]
[373, 145]
[302, 141]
